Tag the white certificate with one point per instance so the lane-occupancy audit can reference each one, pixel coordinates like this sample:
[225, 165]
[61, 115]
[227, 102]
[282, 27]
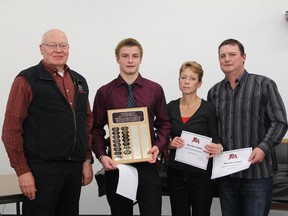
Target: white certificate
[128, 181]
[192, 152]
[229, 162]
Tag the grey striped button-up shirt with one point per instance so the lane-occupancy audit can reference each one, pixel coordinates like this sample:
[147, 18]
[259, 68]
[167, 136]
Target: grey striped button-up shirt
[251, 115]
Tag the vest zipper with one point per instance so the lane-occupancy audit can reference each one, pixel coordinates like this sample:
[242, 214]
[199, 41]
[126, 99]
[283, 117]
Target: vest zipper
[74, 117]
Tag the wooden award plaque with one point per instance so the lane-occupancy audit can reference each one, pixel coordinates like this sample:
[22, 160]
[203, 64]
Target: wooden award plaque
[129, 133]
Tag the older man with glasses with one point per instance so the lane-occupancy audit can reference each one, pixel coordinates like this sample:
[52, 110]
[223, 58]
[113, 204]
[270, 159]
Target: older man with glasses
[47, 131]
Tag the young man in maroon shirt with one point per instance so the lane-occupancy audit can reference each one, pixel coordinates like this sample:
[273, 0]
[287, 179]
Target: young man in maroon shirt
[148, 94]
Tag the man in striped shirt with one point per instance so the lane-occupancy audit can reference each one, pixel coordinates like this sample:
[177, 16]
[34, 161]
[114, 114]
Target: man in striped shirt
[250, 113]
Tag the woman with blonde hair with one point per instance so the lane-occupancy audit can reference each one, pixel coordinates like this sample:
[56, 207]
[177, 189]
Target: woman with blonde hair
[190, 187]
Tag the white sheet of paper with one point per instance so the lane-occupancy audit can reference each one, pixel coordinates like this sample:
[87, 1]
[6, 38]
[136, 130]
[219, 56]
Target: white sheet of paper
[128, 181]
[229, 162]
[192, 152]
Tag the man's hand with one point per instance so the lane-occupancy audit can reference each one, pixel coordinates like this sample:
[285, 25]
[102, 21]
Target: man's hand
[27, 185]
[87, 173]
[154, 151]
[257, 156]
[108, 163]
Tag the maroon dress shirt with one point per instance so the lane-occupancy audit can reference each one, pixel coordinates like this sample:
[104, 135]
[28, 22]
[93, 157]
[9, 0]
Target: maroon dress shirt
[114, 96]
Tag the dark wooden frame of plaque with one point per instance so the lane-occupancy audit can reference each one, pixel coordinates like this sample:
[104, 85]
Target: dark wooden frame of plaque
[130, 137]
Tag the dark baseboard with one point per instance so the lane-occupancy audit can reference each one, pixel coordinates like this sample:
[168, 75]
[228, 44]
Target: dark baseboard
[279, 206]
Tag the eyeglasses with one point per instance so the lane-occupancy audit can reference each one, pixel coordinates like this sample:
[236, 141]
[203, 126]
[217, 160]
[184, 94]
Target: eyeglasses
[54, 46]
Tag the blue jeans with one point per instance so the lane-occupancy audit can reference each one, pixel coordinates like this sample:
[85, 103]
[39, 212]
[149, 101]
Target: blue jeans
[245, 197]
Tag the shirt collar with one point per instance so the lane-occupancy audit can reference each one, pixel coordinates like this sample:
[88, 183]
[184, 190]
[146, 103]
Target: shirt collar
[120, 81]
[239, 80]
[51, 69]
[242, 77]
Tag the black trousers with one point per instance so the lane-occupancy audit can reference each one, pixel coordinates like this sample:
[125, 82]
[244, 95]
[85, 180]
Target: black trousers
[188, 191]
[149, 196]
[58, 187]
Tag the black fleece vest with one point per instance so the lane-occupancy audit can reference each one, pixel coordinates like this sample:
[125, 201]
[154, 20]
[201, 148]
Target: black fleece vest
[52, 130]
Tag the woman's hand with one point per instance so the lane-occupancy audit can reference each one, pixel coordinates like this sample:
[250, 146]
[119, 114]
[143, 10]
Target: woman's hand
[177, 142]
[213, 149]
